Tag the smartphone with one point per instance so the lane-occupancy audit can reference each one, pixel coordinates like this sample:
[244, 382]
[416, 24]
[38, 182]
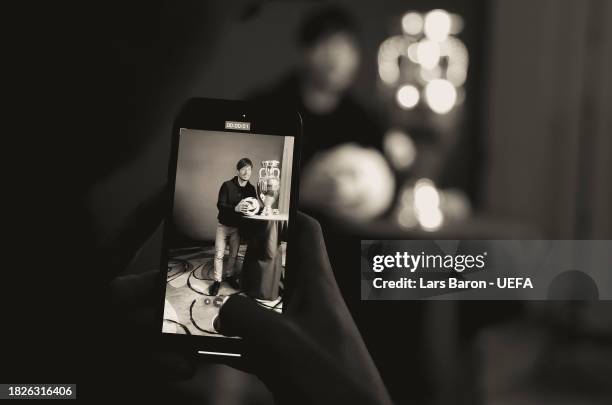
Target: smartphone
[233, 188]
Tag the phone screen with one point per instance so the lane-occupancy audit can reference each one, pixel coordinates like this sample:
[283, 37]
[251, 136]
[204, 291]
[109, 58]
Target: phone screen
[228, 230]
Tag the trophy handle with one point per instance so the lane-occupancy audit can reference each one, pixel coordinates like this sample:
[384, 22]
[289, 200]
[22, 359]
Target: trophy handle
[275, 170]
[264, 172]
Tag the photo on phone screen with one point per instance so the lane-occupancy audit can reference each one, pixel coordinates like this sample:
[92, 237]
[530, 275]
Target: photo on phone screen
[228, 232]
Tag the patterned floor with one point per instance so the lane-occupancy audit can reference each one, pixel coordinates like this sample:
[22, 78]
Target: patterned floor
[188, 308]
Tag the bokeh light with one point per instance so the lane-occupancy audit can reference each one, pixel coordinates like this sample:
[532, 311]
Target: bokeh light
[440, 95]
[428, 54]
[408, 96]
[400, 149]
[427, 205]
[431, 220]
[430, 74]
[412, 52]
[388, 73]
[388, 53]
[437, 25]
[412, 23]
[458, 59]
[427, 61]
[426, 195]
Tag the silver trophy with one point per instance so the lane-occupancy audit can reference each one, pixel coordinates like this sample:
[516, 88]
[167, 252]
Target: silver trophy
[268, 185]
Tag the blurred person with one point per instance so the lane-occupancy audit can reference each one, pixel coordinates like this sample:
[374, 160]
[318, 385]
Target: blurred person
[231, 208]
[330, 54]
[114, 76]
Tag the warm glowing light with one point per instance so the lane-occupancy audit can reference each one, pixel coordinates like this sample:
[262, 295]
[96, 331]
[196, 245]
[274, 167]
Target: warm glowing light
[427, 205]
[408, 96]
[388, 52]
[440, 95]
[406, 215]
[437, 25]
[388, 73]
[400, 149]
[430, 74]
[412, 52]
[428, 54]
[456, 74]
[431, 220]
[426, 195]
[458, 59]
[412, 23]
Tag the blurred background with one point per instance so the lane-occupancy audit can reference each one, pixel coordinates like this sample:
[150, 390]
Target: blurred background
[458, 119]
[502, 106]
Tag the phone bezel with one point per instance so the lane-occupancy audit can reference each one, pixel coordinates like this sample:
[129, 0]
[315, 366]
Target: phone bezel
[211, 114]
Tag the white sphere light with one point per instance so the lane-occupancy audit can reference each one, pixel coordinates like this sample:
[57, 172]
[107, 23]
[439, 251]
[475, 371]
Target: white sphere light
[428, 54]
[408, 96]
[412, 52]
[426, 196]
[400, 149]
[427, 205]
[431, 220]
[437, 25]
[440, 95]
[348, 181]
[412, 23]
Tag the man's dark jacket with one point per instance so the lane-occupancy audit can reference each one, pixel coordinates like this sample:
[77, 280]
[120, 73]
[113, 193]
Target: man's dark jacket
[230, 195]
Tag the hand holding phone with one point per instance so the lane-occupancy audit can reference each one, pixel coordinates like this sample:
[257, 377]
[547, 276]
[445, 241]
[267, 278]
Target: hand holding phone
[313, 352]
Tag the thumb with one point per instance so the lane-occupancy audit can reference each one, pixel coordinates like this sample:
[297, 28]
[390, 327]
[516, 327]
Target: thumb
[274, 343]
[266, 334]
[242, 316]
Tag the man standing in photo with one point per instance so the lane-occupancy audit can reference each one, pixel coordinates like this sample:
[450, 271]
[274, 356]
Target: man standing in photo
[231, 209]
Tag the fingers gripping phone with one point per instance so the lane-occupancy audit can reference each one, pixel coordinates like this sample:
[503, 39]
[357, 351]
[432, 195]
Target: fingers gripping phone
[233, 182]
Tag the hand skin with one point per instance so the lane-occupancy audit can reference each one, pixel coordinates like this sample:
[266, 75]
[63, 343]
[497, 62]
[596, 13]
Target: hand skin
[311, 354]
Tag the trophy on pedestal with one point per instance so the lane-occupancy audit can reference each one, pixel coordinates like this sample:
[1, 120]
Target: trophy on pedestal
[268, 185]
